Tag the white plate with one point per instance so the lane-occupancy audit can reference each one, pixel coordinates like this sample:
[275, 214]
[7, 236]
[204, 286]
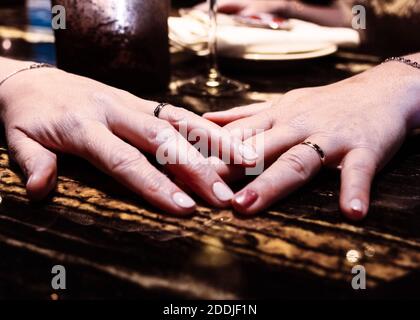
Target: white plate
[303, 41]
[327, 50]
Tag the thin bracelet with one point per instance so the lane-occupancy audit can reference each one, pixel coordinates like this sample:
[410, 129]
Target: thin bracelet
[32, 66]
[406, 61]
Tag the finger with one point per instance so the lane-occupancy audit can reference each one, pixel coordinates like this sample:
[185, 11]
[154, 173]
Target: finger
[195, 127]
[245, 128]
[159, 138]
[270, 144]
[130, 167]
[38, 164]
[192, 126]
[358, 169]
[228, 116]
[292, 170]
[229, 173]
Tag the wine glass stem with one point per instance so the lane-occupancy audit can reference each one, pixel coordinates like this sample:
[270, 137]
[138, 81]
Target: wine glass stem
[213, 67]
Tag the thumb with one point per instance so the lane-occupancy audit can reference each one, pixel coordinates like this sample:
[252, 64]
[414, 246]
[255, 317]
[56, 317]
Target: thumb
[38, 164]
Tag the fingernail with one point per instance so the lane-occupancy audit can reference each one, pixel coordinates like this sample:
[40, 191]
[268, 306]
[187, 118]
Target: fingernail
[182, 200]
[222, 191]
[246, 199]
[248, 152]
[357, 206]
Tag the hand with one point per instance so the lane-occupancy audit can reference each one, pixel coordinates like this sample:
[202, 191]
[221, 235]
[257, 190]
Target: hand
[359, 123]
[248, 7]
[47, 111]
[336, 14]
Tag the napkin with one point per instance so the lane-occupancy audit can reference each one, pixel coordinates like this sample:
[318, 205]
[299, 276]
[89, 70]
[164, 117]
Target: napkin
[302, 37]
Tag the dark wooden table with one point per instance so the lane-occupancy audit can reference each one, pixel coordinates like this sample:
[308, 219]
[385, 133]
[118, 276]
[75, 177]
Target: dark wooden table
[114, 245]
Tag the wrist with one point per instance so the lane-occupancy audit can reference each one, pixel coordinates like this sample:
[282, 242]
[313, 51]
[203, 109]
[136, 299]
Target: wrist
[412, 81]
[18, 68]
[7, 66]
[403, 83]
[13, 79]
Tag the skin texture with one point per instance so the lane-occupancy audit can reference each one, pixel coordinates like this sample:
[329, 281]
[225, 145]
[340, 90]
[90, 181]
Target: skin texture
[49, 111]
[359, 123]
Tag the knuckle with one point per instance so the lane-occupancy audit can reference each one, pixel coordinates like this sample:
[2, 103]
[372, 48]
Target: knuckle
[298, 124]
[103, 99]
[267, 118]
[153, 181]
[80, 138]
[236, 132]
[160, 131]
[131, 163]
[125, 161]
[51, 159]
[268, 184]
[22, 158]
[200, 170]
[361, 167]
[70, 123]
[355, 186]
[295, 163]
[366, 165]
[178, 115]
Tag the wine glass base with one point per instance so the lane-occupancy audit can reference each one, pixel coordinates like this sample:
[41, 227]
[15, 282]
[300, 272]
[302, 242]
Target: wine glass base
[205, 87]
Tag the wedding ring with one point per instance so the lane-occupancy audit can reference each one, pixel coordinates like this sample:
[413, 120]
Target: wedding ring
[317, 148]
[159, 108]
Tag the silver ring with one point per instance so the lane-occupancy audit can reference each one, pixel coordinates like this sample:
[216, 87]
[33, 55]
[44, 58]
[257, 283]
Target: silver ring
[317, 148]
[159, 108]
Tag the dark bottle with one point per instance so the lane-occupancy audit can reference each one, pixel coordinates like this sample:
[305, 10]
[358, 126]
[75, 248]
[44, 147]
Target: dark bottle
[123, 43]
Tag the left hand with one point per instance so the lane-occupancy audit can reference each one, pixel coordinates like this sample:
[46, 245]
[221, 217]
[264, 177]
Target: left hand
[359, 123]
[48, 111]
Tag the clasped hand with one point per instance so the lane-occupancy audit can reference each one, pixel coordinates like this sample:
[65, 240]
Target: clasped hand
[359, 123]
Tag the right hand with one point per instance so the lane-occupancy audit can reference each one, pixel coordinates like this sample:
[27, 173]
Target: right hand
[359, 123]
[48, 110]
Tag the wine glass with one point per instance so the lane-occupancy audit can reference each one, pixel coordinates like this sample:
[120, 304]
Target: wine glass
[213, 84]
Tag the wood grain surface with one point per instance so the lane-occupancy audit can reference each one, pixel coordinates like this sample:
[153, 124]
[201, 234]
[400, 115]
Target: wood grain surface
[114, 245]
